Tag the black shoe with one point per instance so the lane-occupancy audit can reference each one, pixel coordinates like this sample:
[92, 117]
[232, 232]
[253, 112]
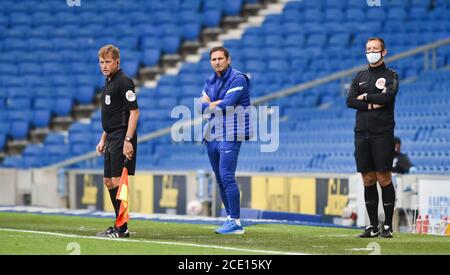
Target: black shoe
[119, 233]
[370, 232]
[387, 232]
[106, 232]
[114, 232]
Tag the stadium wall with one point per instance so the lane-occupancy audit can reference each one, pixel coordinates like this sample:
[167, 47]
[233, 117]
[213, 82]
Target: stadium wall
[336, 198]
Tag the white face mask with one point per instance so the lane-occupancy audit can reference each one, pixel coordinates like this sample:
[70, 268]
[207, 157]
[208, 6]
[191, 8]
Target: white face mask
[373, 57]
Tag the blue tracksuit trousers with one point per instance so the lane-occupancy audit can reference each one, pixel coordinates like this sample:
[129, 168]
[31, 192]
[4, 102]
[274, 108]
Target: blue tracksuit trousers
[223, 156]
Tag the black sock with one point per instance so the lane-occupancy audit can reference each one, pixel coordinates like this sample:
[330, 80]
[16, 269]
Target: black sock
[388, 194]
[371, 198]
[124, 227]
[115, 203]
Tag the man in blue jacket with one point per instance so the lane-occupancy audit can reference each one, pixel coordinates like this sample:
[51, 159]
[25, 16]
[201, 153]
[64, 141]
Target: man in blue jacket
[225, 95]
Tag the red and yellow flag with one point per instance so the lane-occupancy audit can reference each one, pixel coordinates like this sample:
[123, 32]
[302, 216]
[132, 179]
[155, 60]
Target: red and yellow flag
[122, 195]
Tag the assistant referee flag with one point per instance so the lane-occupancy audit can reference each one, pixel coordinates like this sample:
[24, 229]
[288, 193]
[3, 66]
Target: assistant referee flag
[122, 195]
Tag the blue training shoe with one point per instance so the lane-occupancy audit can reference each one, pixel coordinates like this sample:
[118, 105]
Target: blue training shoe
[225, 224]
[230, 227]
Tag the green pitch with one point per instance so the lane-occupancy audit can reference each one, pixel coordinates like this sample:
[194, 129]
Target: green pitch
[51, 234]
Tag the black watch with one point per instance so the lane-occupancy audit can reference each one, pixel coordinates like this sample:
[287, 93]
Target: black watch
[127, 138]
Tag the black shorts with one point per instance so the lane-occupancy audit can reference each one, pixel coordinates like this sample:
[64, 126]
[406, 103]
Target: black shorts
[114, 157]
[374, 154]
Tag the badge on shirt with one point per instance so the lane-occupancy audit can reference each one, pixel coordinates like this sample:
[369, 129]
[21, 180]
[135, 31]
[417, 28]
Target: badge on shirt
[381, 83]
[107, 99]
[130, 96]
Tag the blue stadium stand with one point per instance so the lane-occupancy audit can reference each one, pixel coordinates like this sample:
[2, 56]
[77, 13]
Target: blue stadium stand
[293, 47]
[49, 55]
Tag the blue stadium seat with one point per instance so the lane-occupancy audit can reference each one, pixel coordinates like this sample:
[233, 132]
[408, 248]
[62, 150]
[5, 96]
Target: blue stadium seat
[418, 13]
[213, 5]
[8, 69]
[151, 42]
[54, 138]
[313, 5]
[64, 68]
[341, 40]
[419, 3]
[278, 65]
[13, 161]
[19, 103]
[85, 94]
[57, 150]
[2, 141]
[291, 16]
[88, 79]
[273, 40]
[316, 40]
[33, 150]
[20, 19]
[334, 15]
[313, 15]
[376, 14]
[191, 31]
[78, 149]
[130, 67]
[211, 18]
[51, 68]
[192, 5]
[356, 4]
[63, 106]
[171, 44]
[397, 14]
[19, 129]
[41, 118]
[30, 69]
[232, 7]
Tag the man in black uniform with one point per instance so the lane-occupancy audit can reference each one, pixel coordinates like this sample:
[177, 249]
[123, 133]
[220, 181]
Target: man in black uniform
[373, 93]
[401, 163]
[118, 142]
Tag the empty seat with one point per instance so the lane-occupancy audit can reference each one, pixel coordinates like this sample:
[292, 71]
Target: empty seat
[211, 18]
[19, 129]
[2, 141]
[41, 118]
[63, 106]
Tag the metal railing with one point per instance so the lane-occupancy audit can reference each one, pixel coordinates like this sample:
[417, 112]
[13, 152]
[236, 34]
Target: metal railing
[427, 50]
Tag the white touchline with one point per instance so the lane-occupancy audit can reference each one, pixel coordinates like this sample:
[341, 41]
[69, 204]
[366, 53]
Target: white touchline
[153, 242]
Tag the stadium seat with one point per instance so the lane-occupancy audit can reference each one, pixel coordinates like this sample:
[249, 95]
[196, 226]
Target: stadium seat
[41, 118]
[2, 141]
[287, 49]
[19, 129]
[63, 106]
[192, 5]
[191, 31]
[211, 18]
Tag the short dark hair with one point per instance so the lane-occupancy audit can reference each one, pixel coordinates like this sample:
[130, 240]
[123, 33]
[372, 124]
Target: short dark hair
[221, 49]
[397, 140]
[379, 39]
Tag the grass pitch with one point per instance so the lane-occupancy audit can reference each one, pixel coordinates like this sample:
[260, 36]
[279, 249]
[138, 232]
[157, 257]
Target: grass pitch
[57, 234]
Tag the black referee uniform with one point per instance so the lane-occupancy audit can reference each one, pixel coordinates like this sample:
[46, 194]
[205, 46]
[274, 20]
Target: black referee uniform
[118, 98]
[374, 128]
